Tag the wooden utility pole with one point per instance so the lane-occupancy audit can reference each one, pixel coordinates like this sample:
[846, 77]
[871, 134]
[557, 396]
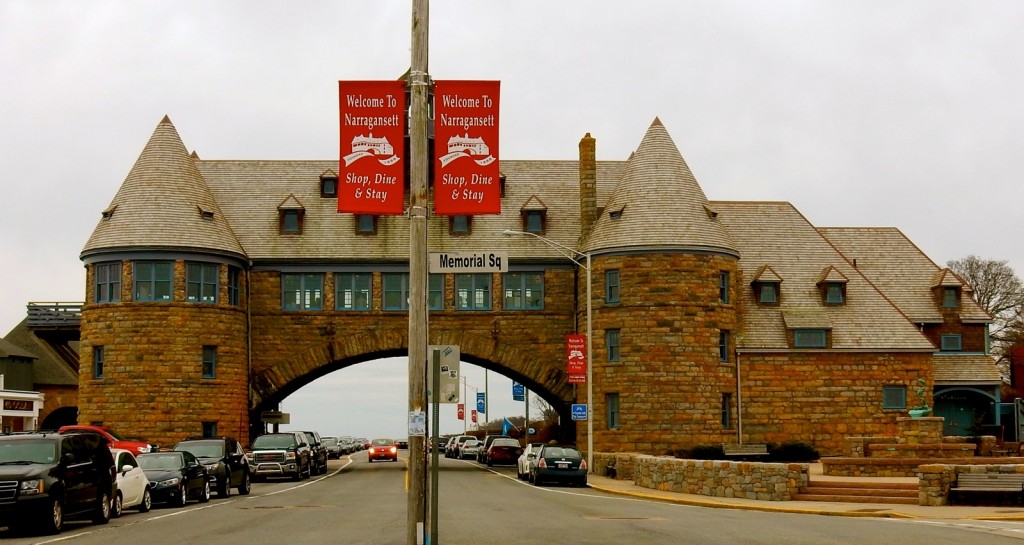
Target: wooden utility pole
[419, 81]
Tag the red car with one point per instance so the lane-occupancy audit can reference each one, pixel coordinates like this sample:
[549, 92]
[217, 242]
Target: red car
[383, 449]
[135, 446]
[503, 451]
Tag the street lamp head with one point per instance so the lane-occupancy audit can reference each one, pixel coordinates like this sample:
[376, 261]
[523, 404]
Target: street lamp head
[511, 233]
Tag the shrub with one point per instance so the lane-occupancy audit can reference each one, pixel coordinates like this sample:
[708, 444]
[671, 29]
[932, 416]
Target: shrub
[701, 452]
[792, 451]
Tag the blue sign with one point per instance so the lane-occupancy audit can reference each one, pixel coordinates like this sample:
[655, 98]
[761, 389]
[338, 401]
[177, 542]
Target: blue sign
[518, 392]
[480, 402]
[579, 411]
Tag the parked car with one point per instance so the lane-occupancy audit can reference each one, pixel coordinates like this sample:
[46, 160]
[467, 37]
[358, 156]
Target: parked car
[176, 477]
[402, 444]
[47, 477]
[455, 446]
[470, 449]
[224, 460]
[133, 488]
[488, 439]
[383, 449]
[528, 457]
[559, 465]
[332, 445]
[503, 451]
[284, 454]
[317, 453]
[135, 445]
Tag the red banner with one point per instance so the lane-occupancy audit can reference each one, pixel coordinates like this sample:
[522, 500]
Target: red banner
[466, 148]
[576, 355]
[371, 175]
[462, 411]
[473, 414]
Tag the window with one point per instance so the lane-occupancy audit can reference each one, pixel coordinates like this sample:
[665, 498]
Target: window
[524, 291]
[533, 222]
[723, 286]
[809, 338]
[291, 222]
[435, 292]
[201, 282]
[894, 397]
[153, 280]
[459, 225]
[834, 293]
[352, 291]
[209, 430]
[769, 293]
[328, 185]
[473, 291]
[97, 362]
[234, 286]
[611, 286]
[107, 279]
[611, 402]
[951, 343]
[950, 298]
[366, 224]
[611, 338]
[209, 362]
[396, 291]
[723, 346]
[726, 411]
[302, 291]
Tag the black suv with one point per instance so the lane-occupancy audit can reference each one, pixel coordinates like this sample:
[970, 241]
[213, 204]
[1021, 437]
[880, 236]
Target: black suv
[284, 454]
[317, 452]
[45, 477]
[225, 461]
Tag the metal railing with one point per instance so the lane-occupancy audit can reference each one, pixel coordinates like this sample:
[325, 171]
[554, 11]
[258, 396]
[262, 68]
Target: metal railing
[54, 314]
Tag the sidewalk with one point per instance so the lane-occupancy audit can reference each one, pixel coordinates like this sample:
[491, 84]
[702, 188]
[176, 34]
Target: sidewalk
[962, 512]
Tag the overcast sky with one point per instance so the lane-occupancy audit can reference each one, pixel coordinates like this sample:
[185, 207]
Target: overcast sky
[868, 113]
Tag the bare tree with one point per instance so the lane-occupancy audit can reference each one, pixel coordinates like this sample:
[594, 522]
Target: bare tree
[542, 411]
[998, 290]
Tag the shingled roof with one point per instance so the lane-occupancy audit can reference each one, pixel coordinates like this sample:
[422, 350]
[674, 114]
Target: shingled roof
[658, 205]
[164, 203]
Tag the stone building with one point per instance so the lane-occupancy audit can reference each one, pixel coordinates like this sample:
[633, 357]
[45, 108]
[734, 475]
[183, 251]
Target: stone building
[216, 288]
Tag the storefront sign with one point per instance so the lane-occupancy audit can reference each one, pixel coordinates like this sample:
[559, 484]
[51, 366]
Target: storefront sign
[18, 405]
[466, 148]
[371, 175]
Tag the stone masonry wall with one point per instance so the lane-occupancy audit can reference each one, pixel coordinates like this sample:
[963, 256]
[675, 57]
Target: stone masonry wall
[723, 479]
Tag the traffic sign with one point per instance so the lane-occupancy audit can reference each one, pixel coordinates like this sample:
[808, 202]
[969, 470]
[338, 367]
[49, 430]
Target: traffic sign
[579, 411]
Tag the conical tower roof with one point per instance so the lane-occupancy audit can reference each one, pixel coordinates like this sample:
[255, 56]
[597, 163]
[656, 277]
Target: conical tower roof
[164, 203]
[658, 205]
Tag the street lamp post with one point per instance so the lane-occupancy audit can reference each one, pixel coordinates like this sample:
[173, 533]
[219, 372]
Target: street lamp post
[574, 255]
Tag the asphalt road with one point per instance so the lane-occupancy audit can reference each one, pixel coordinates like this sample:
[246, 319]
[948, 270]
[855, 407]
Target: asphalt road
[359, 502]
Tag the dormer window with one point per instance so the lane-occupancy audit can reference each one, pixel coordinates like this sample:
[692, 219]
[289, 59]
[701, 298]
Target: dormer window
[951, 343]
[328, 185]
[289, 215]
[366, 224]
[460, 225]
[534, 213]
[766, 284]
[950, 297]
[832, 285]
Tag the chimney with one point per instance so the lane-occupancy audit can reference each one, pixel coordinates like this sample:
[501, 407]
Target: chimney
[588, 185]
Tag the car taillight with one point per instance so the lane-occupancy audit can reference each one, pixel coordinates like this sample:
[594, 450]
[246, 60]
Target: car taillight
[542, 463]
[583, 464]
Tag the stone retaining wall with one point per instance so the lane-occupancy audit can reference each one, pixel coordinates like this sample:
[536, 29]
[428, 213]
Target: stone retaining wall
[937, 479]
[723, 479]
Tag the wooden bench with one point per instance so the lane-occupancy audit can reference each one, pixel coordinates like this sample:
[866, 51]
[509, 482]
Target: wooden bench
[732, 449]
[986, 483]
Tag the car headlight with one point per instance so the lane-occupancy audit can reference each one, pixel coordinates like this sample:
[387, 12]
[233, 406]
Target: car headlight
[169, 482]
[31, 486]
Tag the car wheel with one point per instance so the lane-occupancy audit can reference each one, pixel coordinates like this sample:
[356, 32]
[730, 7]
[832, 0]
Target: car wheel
[536, 480]
[182, 496]
[246, 485]
[53, 523]
[206, 493]
[117, 505]
[224, 487]
[102, 513]
[147, 501]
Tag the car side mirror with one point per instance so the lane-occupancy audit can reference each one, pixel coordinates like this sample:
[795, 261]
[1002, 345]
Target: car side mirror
[126, 468]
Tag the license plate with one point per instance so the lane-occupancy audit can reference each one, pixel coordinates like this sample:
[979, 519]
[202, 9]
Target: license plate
[562, 465]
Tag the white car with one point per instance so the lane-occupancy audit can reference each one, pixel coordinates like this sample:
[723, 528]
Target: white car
[132, 484]
[470, 449]
[528, 457]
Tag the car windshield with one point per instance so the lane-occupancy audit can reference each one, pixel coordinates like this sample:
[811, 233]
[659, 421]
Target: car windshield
[160, 460]
[274, 441]
[203, 449]
[383, 442]
[561, 452]
[28, 452]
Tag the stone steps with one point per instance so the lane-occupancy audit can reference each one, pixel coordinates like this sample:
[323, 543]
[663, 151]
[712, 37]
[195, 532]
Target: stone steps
[859, 492]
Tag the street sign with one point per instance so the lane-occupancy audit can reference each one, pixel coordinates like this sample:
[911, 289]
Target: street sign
[468, 262]
[480, 401]
[579, 411]
[473, 414]
[449, 387]
[462, 411]
[275, 417]
[518, 392]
